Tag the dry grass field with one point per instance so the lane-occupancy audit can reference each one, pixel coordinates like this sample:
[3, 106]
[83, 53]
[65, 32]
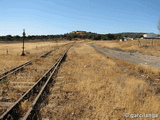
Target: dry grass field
[91, 86]
[10, 52]
[132, 46]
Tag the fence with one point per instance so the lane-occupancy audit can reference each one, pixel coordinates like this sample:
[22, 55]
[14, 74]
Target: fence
[148, 42]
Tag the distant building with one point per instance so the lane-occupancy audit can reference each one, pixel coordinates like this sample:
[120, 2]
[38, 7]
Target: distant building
[150, 35]
[126, 39]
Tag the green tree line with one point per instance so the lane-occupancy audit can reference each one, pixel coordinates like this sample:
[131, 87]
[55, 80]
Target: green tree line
[74, 36]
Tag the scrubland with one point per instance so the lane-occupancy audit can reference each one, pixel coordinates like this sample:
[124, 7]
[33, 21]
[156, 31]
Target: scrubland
[92, 86]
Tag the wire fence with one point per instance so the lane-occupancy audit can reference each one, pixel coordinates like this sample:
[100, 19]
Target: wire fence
[148, 42]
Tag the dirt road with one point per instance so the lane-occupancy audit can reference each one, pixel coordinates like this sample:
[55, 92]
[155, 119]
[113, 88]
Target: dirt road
[137, 58]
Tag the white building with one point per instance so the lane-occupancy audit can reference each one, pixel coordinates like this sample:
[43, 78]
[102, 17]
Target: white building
[126, 39]
[150, 35]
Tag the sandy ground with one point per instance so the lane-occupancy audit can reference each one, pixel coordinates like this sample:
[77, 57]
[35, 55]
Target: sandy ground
[137, 58]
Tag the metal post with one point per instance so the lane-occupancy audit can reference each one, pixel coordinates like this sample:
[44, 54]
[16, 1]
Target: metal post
[23, 54]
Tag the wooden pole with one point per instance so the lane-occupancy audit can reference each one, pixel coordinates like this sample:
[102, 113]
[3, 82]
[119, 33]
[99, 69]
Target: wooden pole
[23, 54]
[139, 43]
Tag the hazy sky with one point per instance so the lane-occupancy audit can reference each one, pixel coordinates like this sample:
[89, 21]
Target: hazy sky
[62, 16]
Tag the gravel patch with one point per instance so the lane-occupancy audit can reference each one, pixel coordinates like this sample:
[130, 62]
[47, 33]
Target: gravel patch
[137, 58]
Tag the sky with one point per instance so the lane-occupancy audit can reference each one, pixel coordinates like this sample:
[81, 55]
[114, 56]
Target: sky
[46, 17]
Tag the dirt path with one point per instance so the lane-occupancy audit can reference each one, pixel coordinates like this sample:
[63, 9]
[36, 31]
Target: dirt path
[137, 58]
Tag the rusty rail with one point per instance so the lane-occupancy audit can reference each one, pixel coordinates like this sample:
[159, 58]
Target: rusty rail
[5, 74]
[39, 87]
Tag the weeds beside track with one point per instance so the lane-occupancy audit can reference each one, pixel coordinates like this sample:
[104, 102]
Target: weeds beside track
[14, 112]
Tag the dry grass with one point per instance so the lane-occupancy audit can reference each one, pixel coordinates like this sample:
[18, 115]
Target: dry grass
[12, 58]
[31, 73]
[24, 106]
[146, 46]
[34, 71]
[91, 86]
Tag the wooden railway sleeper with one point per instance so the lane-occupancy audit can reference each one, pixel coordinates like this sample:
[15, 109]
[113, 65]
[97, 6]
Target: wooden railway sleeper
[46, 78]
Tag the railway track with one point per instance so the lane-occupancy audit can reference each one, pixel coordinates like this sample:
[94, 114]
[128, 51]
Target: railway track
[4, 75]
[17, 68]
[34, 95]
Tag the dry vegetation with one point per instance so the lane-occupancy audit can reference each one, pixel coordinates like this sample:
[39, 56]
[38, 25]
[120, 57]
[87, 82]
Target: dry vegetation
[14, 86]
[10, 52]
[132, 46]
[91, 86]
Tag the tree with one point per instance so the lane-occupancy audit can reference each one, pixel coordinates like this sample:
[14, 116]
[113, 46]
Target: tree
[8, 38]
[118, 36]
[17, 37]
[110, 36]
[69, 37]
[158, 26]
[96, 37]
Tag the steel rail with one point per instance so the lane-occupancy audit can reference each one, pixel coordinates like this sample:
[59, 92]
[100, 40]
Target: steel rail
[13, 111]
[31, 113]
[5, 74]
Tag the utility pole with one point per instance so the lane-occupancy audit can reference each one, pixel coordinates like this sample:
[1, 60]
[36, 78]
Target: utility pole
[158, 26]
[24, 34]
